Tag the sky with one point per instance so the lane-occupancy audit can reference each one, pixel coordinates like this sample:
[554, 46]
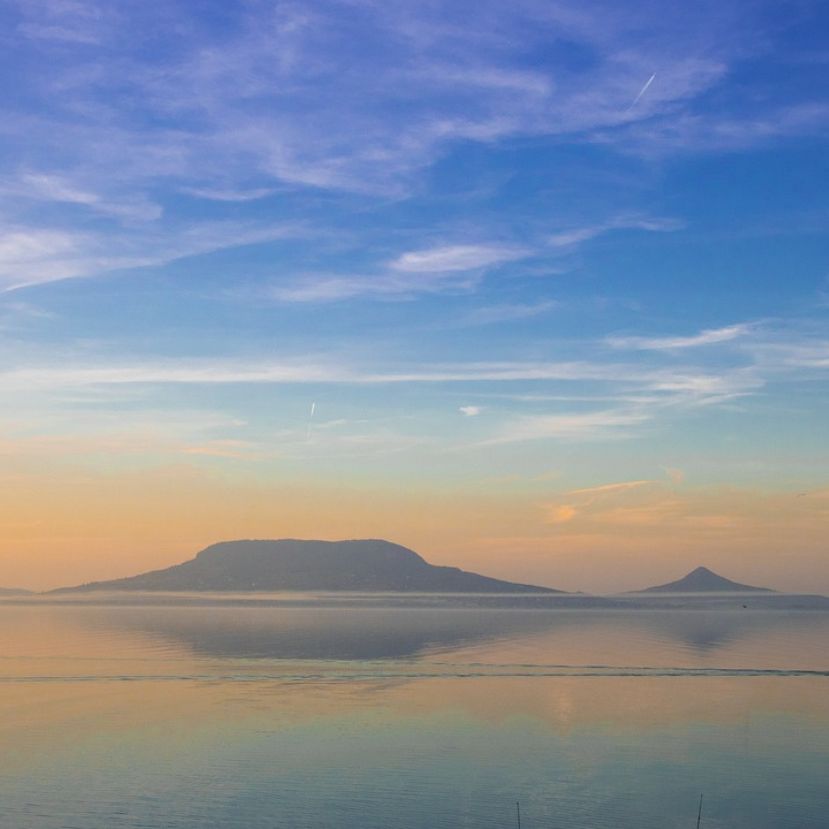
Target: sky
[538, 288]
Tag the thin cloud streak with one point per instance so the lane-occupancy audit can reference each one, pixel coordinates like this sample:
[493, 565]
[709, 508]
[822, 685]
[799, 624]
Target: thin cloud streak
[446, 269]
[642, 91]
[578, 235]
[493, 314]
[451, 269]
[605, 489]
[336, 288]
[606, 424]
[710, 336]
[456, 258]
[36, 257]
[307, 370]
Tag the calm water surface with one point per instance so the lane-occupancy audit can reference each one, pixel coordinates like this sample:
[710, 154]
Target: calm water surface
[393, 713]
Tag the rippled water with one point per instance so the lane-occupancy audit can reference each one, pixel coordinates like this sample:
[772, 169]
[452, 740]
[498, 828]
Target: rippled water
[393, 713]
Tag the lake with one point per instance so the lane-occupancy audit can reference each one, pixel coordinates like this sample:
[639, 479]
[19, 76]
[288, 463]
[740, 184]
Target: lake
[383, 711]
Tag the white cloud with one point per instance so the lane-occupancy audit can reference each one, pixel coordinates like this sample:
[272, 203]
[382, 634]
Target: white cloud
[111, 199]
[489, 315]
[54, 188]
[285, 95]
[810, 352]
[83, 22]
[321, 288]
[268, 97]
[611, 423]
[598, 399]
[229, 194]
[576, 235]
[36, 256]
[22, 245]
[581, 499]
[456, 258]
[710, 336]
[671, 385]
[607, 489]
[449, 269]
[316, 288]
[718, 132]
[18, 315]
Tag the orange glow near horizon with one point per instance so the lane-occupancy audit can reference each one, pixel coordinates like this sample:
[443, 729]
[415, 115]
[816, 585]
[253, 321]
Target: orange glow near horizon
[71, 528]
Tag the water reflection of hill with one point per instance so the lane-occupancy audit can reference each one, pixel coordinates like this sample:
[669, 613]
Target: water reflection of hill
[332, 632]
[327, 632]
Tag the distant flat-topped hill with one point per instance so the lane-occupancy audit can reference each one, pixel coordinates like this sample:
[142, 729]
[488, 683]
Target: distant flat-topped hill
[14, 591]
[703, 580]
[290, 564]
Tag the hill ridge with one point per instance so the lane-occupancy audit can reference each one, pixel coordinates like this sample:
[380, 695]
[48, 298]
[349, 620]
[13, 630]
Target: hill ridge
[310, 565]
[704, 580]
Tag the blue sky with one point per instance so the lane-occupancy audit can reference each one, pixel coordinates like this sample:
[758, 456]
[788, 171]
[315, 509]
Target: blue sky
[546, 247]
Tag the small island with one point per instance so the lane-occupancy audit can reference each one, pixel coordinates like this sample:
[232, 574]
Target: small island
[703, 580]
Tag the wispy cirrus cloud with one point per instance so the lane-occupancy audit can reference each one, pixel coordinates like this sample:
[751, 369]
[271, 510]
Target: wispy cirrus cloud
[456, 258]
[576, 501]
[713, 132]
[233, 114]
[710, 336]
[323, 288]
[577, 235]
[492, 314]
[441, 269]
[606, 489]
[659, 512]
[32, 256]
[268, 94]
[15, 316]
[664, 384]
[80, 22]
[605, 424]
[454, 268]
[222, 194]
[49, 187]
[597, 399]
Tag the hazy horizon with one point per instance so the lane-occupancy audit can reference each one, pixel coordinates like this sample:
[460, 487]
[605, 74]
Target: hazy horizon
[642, 586]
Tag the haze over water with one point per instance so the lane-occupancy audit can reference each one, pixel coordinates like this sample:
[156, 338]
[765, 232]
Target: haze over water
[380, 712]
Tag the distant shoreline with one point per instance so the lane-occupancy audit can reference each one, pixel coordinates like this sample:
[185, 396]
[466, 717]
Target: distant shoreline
[638, 602]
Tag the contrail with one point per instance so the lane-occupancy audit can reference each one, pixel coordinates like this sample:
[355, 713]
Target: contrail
[642, 91]
[310, 418]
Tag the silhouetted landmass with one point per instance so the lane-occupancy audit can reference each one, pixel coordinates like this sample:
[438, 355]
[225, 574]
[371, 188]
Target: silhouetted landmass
[703, 580]
[290, 564]
[14, 591]
[359, 572]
